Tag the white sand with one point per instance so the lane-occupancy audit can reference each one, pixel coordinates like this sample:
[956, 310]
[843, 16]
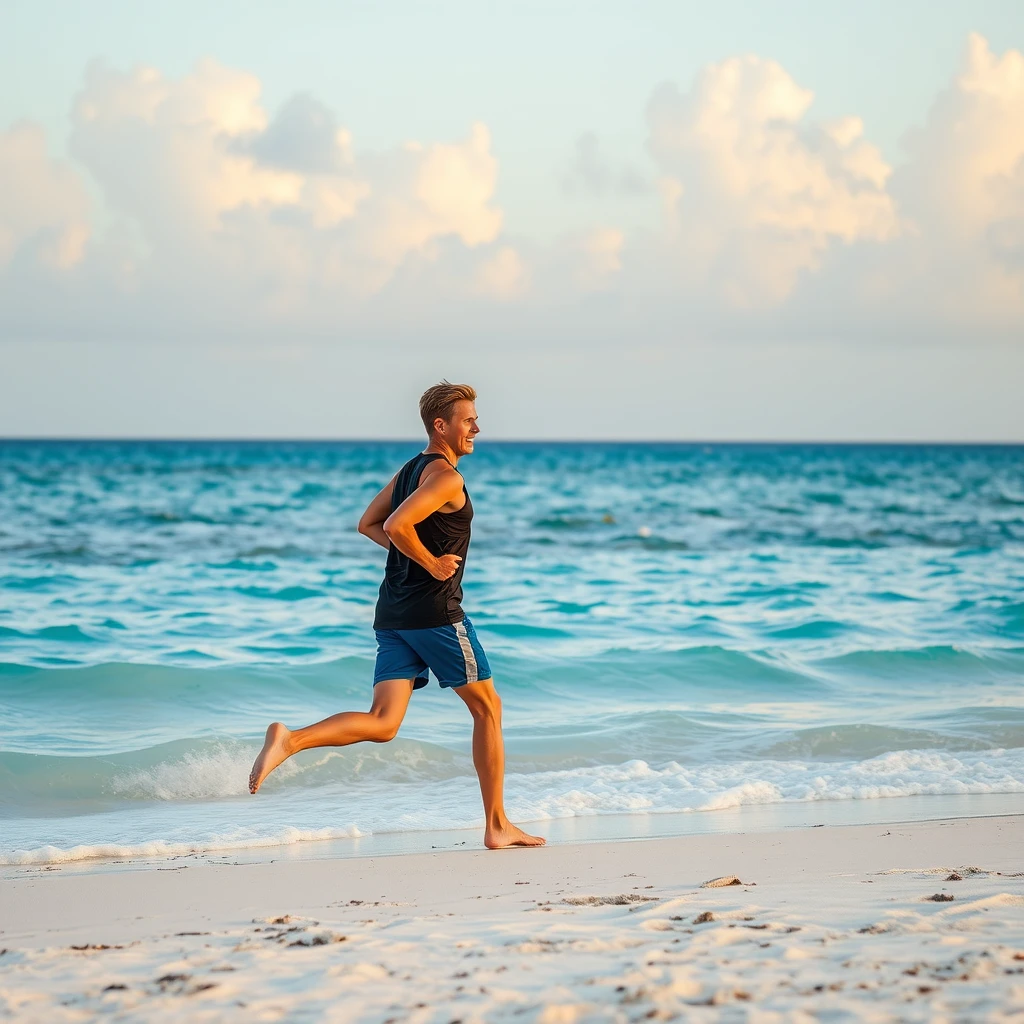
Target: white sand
[838, 926]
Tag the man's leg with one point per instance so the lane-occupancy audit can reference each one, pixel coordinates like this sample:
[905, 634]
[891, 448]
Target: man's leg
[489, 759]
[379, 724]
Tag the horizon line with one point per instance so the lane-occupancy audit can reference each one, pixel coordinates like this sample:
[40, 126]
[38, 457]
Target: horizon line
[126, 439]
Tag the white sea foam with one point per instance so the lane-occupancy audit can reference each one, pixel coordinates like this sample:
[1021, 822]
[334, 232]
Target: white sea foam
[379, 805]
[221, 771]
[637, 786]
[159, 848]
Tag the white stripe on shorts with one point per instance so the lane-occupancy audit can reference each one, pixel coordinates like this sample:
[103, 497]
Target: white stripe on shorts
[467, 652]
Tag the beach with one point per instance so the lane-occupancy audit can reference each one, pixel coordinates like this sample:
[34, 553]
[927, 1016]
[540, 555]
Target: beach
[916, 921]
[427, 428]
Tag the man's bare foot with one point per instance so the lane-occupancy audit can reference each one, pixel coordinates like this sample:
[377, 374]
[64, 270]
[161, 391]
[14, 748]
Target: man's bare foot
[510, 835]
[274, 751]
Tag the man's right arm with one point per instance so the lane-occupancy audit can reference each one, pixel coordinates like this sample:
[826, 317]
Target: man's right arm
[434, 493]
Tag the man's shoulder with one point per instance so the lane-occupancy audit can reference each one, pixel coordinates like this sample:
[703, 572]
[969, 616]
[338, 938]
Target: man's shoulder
[441, 472]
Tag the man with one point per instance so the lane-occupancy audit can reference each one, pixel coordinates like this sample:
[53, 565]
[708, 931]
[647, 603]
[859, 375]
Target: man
[423, 520]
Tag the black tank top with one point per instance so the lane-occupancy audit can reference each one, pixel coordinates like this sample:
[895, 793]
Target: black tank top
[410, 598]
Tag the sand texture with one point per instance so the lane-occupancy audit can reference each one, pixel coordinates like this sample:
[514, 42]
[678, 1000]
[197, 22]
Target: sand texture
[852, 923]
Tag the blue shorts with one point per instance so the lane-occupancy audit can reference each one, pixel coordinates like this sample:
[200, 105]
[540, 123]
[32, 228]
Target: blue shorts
[452, 653]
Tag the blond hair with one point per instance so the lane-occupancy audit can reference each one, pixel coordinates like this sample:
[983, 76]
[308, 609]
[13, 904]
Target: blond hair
[439, 401]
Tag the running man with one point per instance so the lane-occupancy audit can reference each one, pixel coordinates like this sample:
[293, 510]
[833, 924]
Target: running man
[423, 519]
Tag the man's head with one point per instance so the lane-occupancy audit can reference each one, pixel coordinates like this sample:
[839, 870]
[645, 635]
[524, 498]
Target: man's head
[449, 414]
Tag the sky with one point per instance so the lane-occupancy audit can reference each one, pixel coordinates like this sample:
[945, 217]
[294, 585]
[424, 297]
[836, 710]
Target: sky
[665, 220]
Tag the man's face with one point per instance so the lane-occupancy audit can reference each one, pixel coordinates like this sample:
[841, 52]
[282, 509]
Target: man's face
[462, 428]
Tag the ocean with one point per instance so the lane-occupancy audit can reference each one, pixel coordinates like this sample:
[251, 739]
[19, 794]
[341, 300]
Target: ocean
[684, 632]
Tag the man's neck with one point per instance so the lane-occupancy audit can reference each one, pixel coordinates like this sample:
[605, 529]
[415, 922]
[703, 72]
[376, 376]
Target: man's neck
[441, 448]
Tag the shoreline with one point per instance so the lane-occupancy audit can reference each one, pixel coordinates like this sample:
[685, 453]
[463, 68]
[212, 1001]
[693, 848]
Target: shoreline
[580, 830]
[839, 920]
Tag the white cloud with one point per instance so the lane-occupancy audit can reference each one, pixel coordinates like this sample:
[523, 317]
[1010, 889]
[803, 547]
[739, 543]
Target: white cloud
[221, 217]
[279, 215]
[963, 189]
[162, 151]
[968, 159]
[753, 195]
[44, 208]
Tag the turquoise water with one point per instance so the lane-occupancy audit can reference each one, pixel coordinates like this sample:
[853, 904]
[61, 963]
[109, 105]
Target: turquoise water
[673, 629]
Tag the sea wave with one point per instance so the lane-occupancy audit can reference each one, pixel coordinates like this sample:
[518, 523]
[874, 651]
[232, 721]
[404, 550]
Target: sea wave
[203, 769]
[607, 668]
[640, 787]
[692, 705]
[633, 787]
[300, 670]
[198, 770]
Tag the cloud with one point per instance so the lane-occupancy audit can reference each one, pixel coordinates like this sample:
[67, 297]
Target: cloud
[219, 217]
[44, 207]
[280, 215]
[963, 190]
[161, 150]
[754, 195]
[967, 162]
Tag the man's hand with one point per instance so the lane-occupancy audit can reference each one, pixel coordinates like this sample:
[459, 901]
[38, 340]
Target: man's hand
[446, 567]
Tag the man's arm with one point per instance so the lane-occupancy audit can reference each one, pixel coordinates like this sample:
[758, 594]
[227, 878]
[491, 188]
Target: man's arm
[434, 493]
[371, 524]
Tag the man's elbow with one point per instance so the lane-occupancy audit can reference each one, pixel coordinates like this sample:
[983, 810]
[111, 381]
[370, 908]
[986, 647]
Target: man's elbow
[368, 527]
[391, 527]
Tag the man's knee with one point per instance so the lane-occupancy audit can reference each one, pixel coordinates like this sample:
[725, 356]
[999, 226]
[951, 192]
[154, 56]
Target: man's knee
[486, 704]
[385, 728]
